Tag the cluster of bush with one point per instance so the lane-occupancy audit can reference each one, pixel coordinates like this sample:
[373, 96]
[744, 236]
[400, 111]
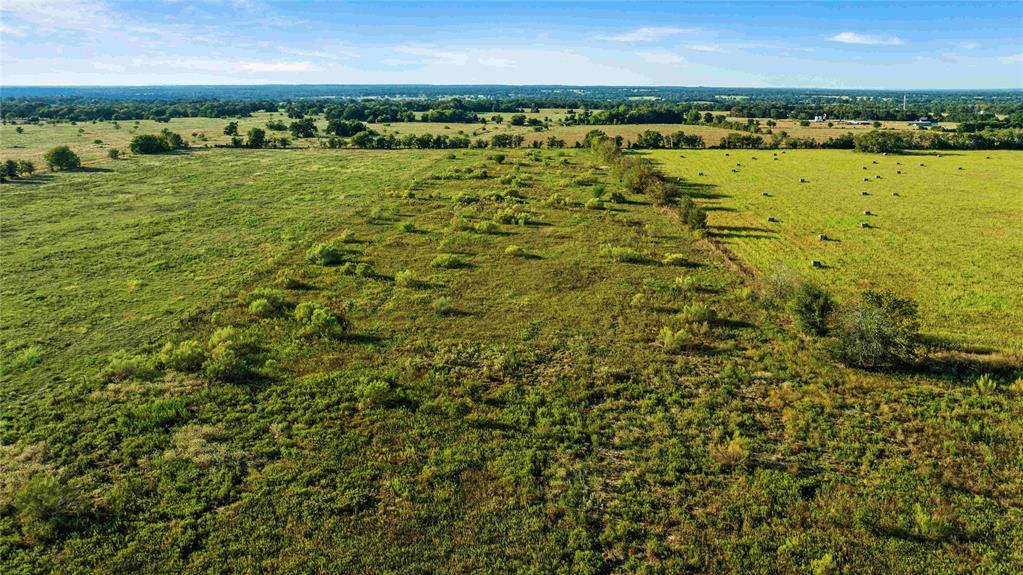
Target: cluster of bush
[165, 141]
[888, 141]
[639, 176]
[879, 329]
[10, 169]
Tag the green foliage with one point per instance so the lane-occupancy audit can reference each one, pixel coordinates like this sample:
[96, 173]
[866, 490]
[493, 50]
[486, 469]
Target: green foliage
[698, 312]
[673, 341]
[514, 250]
[408, 279]
[62, 158]
[674, 260]
[879, 141]
[227, 358]
[486, 227]
[594, 204]
[442, 305]
[47, 509]
[811, 306]
[623, 254]
[123, 366]
[329, 253]
[321, 321]
[879, 330]
[450, 261]
[165, 141]
[186, 357]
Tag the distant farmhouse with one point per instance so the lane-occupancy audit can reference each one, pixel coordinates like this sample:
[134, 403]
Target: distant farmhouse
[924, 122]
[858, 122]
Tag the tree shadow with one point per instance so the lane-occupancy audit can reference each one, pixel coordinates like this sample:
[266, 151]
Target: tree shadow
[89, 170]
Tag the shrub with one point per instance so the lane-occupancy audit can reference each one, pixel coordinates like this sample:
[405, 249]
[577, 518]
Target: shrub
[407, 279]
[47, 508]
[10, 168]
[123, 366]
[672, 341]
[986, 385]
[407, 227]
[460, 223]
[514, 250]
[227, 358]
[165, 141]
[319, 320]
[186, 357]
[113, 153]
[486, 227]
[623, 255]
[698, 313]
[880, 330]
[618, 198]
[674, 260]
[499, 158]
[554, 200]
[25, 168]
[442, 306]
[594, 204]
[732, 452]
[262, 307]
[811, 307]
[326, 253]
[449, 261]
[62, 158]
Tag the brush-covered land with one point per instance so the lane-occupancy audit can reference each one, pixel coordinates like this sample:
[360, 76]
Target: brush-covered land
[309, 360]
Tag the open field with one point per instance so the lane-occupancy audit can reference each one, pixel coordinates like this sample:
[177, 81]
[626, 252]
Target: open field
[946, 231]
[490, 410]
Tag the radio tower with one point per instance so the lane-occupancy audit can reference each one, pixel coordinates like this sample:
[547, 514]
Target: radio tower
[903, 102]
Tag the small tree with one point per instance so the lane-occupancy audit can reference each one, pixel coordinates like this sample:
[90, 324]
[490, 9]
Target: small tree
[26, 168]
[113, 153]
[10, 168]
[811, 306]
[231, 129]
[62, 158]
[256, 138]
[880, 330]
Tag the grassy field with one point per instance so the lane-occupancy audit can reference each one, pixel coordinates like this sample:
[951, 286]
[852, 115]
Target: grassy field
[504, 400]
[33, 142]
[946, 230]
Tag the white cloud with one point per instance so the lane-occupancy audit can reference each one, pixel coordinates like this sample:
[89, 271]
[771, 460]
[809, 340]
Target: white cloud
[706, 48]
[646, 34]
[663, 57]
[323, 54]
[108, 67]
[85, 15]
[866, 39]
[969, 45]
[5, 29]
[290, 67]
[1012, 59]
[433, 56]
[497, 62]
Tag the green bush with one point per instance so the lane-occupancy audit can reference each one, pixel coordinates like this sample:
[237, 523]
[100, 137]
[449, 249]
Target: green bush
[555, 200]
[672, 341]
[326, 253]
[594, 204]
[486, 227]
[407, 227]
[880, 330]
[123, 366]
[618, 198]
[623, 255]
[442, 306]
[698, 313]
[674, 260]
[811, 307]
[449, 261]
[25, 168]
[47, 508]
[262, 308]
[514, 250]
[321, 321]
[113, 153]
[62, 158]
[407, 279]
[227, 356]
[186, 357]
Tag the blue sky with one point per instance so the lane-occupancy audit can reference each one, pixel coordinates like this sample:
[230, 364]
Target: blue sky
[897, 45]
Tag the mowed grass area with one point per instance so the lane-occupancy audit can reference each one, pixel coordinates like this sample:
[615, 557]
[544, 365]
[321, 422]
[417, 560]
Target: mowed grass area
[489, 410]
[952, 237]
